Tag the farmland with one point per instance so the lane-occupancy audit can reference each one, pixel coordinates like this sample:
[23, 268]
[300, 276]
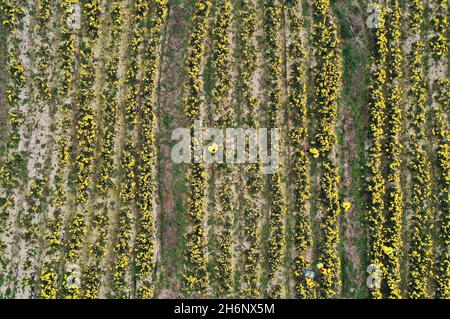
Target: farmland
[97, 96]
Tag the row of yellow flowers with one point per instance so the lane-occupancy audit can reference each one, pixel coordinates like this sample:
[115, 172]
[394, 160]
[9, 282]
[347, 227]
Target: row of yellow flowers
[253, 184]
[11, 160]
[304, 287]
[103, 182]
[35, 207]
[278, 208]
[223, 117]
[393, 153]
[441, 131]
[328, 76]
[377, 184]
[86, 135]
[196, 276]
[54, 221]
[439, 43]
[146, 232]
[420, 259]
[128, 161]
[12, 17]
[43, 51]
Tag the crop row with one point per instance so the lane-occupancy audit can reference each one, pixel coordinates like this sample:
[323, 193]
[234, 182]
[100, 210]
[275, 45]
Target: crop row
[12, 161]
[441, 131]
[253, 183]
[43, 54]
[417, 9]
[12, 16]
[146, 232]
[196, 277]
[129, 157]
[278, 209]
[304, 287]
[420, 253]
[223, 118]
[103, 179]
[377, 184]
[53, 238]
[394, 126]
[34, 206]
[328, 74]
[439, 43]
[420, 248]
[86, 135]
[30, 225]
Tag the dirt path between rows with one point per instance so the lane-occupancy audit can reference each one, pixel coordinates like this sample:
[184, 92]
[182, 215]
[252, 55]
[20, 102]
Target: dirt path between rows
[171, 176]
